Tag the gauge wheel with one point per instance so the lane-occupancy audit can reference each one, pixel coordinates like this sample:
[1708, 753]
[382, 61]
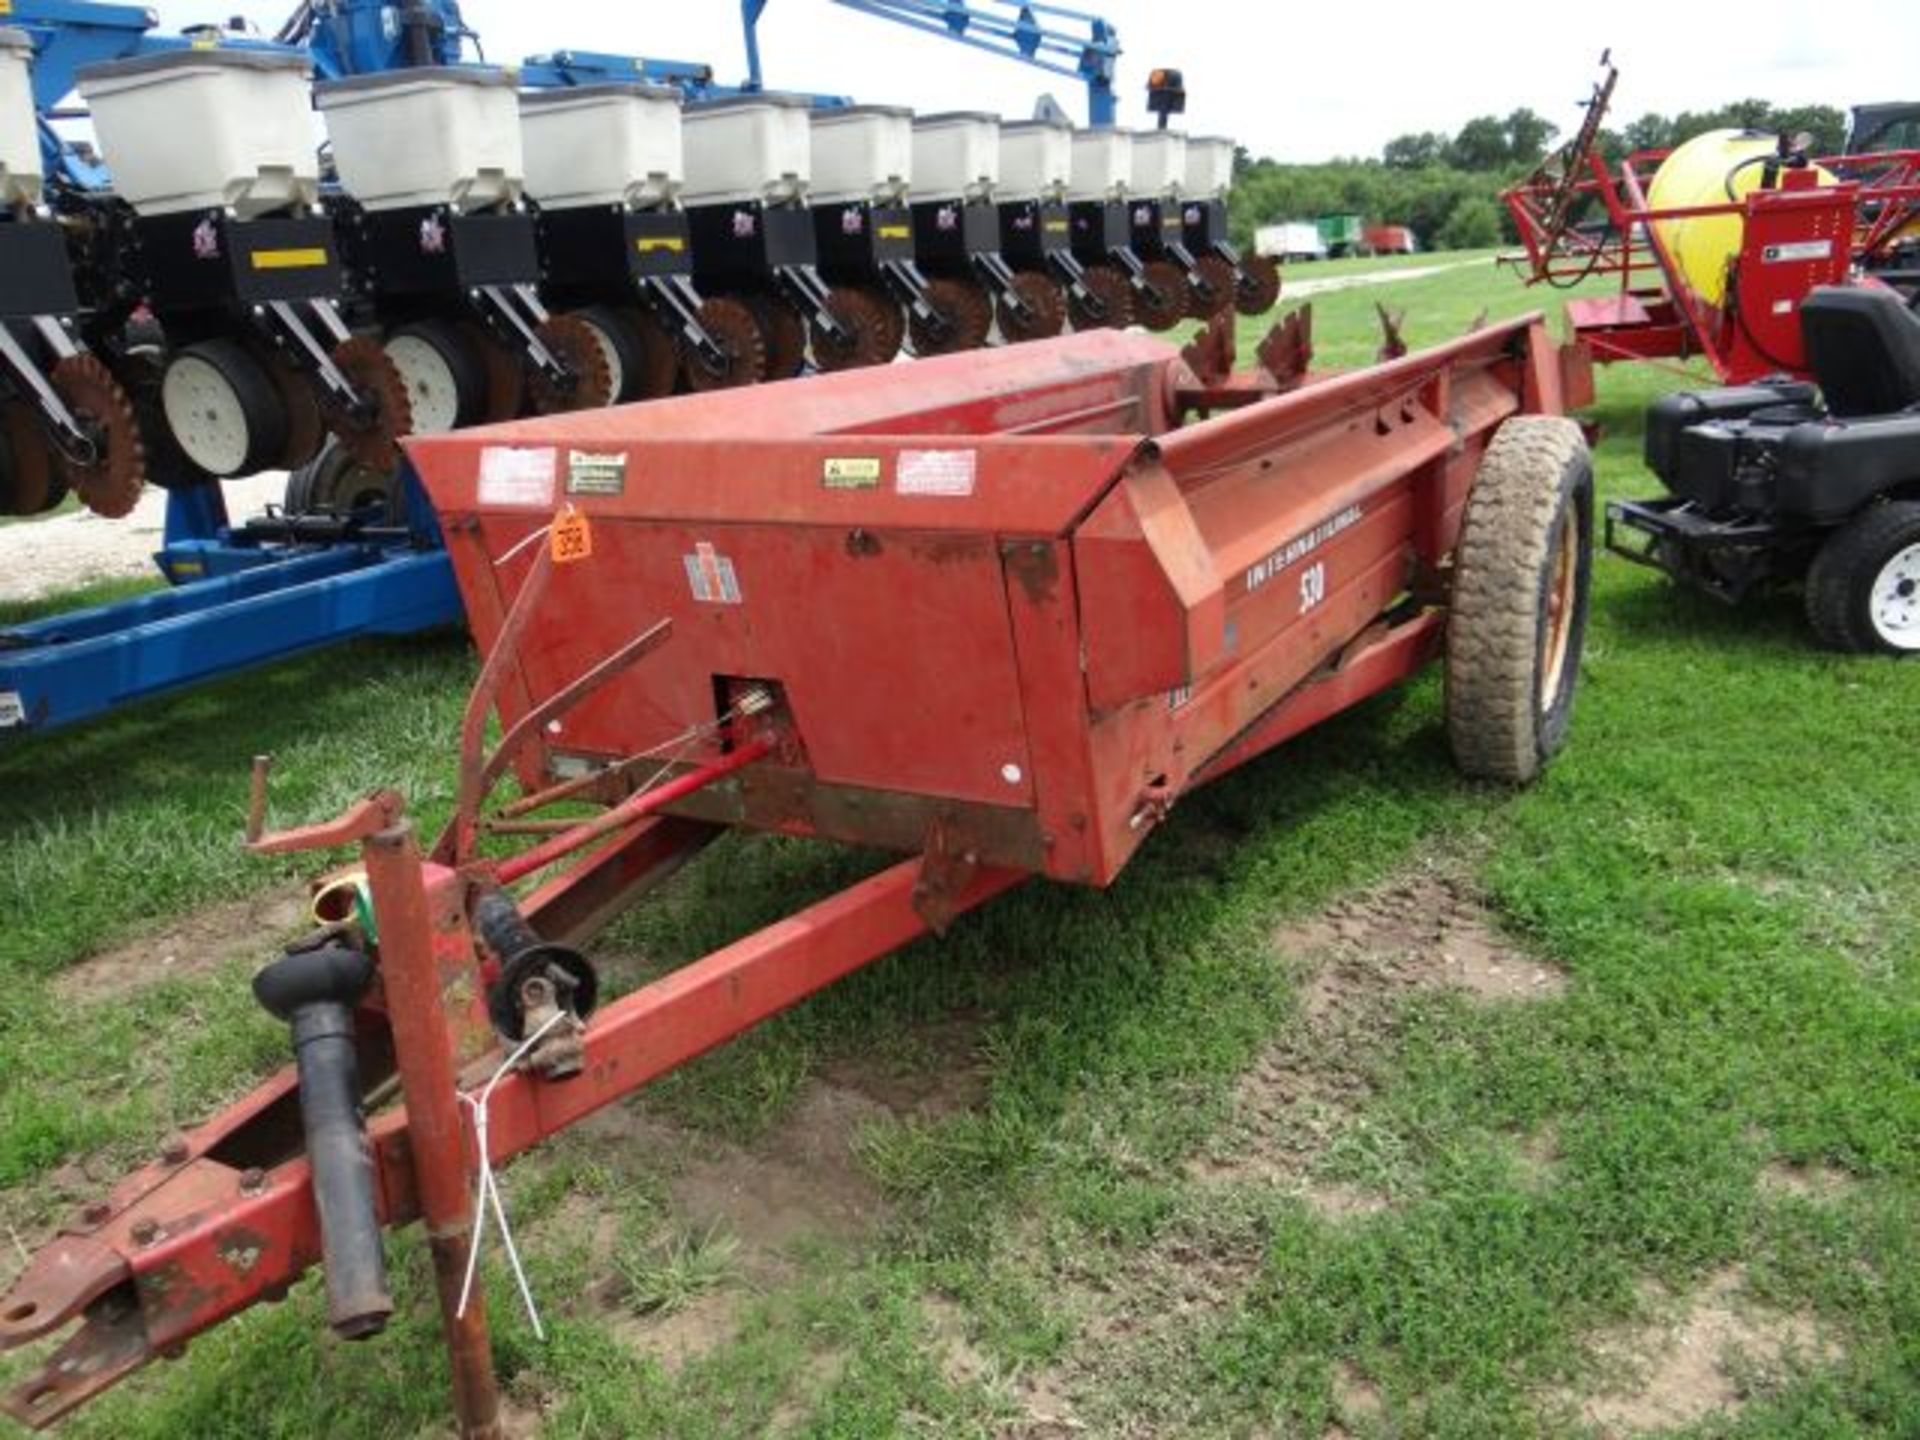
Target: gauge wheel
[223, 408]
[446, 381]
[1161, 300]
[1111, 300]
[865, 339]
[968, 314]
[1214, 292]
[655, 366]
[1046, 305]
[729, 322]
[337, 482]
[1863, 590]
[30, 483]
[887, 306]
[1258, 290]
[785, 335]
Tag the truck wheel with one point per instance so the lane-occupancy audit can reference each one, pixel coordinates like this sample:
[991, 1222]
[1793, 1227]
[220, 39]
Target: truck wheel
[1518, 613]
[1863, 590]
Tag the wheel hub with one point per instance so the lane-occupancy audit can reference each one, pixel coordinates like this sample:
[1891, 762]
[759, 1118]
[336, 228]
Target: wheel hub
[1895, 603]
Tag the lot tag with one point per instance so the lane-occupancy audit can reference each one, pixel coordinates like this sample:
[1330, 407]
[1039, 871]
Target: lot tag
[572, 538]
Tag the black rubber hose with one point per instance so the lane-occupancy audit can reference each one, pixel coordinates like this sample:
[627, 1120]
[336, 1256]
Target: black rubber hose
[314, 991]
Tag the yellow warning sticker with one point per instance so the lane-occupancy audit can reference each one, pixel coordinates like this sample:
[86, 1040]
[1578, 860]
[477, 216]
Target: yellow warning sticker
[896, 232]
[850, 472]
[1054, 227]
[572, 538]
[648, 243]
[304, 258]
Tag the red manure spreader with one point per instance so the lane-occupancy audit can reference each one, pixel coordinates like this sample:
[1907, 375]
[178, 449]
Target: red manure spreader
[995, 612]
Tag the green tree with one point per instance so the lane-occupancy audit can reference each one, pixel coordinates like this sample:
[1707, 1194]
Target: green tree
[1482, 144]
[1528, 136]
[1415, 152]
[1473, 225]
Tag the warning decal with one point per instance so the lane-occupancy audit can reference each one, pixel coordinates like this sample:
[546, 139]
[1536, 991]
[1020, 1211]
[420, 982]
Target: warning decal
[850, 472]
[946, 473]
[592, 474]
[711, 577]
[1799, 251]
[510, 475]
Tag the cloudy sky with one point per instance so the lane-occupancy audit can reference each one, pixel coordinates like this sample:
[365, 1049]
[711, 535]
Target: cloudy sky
[1299, 81]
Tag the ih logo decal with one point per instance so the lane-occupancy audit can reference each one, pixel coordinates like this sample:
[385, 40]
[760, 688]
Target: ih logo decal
[710, 576]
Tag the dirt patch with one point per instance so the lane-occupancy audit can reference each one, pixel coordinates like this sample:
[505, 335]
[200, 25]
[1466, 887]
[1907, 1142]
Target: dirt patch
[194, 944]
[686, 1334]
[960, 1359]
[930, 1072]
[1426, 929]
[1824, 1183]
[1707, 1353]
[1356, 1399]
[1538, 1158]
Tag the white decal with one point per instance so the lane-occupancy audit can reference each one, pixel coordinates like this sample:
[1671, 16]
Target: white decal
[946, 473]
[13, 710]
[1800, 250]
[510, 475]
[1301, 546]
[711, 577]
[1313, 585]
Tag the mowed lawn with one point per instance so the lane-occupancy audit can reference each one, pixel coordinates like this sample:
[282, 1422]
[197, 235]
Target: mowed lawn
[1367, 1104]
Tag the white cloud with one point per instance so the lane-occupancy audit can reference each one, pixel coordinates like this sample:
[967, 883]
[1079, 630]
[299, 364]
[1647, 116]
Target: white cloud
[1295, 81]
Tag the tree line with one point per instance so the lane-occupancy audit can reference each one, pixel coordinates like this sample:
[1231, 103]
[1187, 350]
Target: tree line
[1446, 187]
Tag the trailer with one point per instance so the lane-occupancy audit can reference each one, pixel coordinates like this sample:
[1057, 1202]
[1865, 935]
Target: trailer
[1290, 240]
[1066, 583]
[1343, 234]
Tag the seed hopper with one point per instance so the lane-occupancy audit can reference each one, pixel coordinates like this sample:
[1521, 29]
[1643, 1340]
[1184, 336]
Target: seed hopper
[996, 613]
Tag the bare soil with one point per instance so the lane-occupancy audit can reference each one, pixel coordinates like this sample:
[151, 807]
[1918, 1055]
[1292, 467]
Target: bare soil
[1701, 1354]
[193, 944]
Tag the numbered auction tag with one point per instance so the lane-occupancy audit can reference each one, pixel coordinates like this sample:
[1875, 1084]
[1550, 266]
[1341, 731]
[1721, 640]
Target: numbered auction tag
[572, 539]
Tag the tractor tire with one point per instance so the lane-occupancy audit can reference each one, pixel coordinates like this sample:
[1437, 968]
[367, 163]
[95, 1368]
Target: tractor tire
[1518, 613]
[1863, 589]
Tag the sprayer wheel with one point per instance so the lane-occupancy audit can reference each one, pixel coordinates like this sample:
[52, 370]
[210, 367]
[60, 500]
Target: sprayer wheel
[373, 439]
[112, 483]
[1113, 296]
[866, 327]
[575, 344]
[1162, 302]
[967, 311]
[1259, 288]
[784, 333]
[1214, 293]
[887, 307]
[29, 482]
[1043, 298]
[656, 360]
[731, 324]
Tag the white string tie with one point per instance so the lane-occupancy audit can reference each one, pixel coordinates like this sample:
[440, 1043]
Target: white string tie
[486, 1194]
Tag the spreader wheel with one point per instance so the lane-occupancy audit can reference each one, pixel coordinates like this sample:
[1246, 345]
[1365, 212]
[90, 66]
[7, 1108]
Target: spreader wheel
[866, 337]
[1043, 298]
[967, 310]
[576, 345]
[373, 438]
[784, 334]
[29, 483]
[335, 483]
[1161, 303]
[1214, 293]
[446, 379]
[731, 324]
[887, 306]
[1258, 290]
[1113, 297]
[112, 482]
[1863, 591]
[655, 366]
[1518, 613]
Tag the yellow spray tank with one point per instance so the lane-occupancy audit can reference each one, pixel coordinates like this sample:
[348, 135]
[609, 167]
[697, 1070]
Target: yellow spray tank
[1710, 169]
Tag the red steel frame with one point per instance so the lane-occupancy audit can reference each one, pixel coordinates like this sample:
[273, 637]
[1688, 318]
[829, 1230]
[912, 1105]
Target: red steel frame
[225, 1217]
[1655, 316]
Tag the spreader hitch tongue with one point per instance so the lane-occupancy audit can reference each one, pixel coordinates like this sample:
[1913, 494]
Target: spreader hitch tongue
[314, 988]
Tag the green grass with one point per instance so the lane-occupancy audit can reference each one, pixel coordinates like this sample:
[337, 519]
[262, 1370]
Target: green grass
[1721, 863]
